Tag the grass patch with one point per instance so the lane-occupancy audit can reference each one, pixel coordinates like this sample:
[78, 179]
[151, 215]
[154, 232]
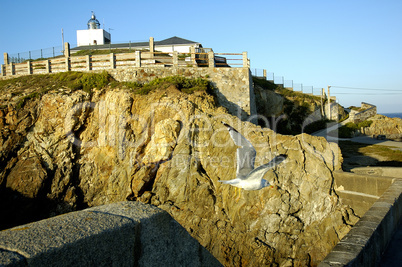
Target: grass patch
[383, 151]
[185, 85]
[45, 82]
[88, 81]
[389, 156]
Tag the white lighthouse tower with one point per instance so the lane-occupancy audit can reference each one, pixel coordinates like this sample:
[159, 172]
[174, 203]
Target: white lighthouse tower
[94, 35]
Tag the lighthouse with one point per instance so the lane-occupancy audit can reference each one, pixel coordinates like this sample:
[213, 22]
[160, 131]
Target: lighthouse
[93, 35]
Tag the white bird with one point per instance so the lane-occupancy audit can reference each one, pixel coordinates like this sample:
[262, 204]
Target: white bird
[247, 177]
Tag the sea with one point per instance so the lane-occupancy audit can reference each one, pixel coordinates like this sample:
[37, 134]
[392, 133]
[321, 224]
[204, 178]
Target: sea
[393, 115]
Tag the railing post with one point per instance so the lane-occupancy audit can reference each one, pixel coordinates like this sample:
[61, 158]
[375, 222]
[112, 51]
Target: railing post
[67, 64]
[48, 70]
[12, 68]
[175, 59]
[66, 49]
[5, 58]
[192, 55]
[138, 59]
[88, 62]
[29, 66]
[112, 61]
[246, 63]
[151, 46]
[211, 59]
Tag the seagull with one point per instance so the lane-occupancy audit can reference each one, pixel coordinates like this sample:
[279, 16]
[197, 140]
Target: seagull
[247, 177]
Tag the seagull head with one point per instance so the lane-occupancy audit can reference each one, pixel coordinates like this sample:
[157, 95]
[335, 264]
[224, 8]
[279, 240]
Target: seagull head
[264, 183]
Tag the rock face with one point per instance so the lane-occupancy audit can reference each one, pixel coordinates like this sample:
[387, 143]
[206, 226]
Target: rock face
[382, 125]
[72, 150]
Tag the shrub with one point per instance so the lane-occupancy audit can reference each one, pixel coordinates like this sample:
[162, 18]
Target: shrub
[183, 84]
[365, 123]
[88, 81]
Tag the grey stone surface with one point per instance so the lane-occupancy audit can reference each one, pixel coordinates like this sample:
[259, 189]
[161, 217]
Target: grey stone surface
[164, 242]
[78, 238]
[9, 258]
[119, 234]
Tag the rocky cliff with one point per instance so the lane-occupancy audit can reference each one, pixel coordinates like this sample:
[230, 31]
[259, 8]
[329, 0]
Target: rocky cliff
[382, 125]
[67, 150]
[289, 111]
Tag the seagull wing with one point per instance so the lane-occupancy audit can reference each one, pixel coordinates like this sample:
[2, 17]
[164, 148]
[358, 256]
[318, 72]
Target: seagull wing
[245, 152]
[259, 172]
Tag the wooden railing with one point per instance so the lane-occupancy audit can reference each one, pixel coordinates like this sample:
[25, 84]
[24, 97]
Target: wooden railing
[126, 60]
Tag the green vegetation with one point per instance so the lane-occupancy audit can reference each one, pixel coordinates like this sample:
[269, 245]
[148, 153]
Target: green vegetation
[264, 84]
[185, 85]
[89, 81]
[348, 130]
[385, 156]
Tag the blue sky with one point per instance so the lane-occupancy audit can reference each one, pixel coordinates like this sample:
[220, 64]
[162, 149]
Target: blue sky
[348, 43]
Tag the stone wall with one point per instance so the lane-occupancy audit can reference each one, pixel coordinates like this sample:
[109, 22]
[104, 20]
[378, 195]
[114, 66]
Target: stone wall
[119, 234]
[368, 111]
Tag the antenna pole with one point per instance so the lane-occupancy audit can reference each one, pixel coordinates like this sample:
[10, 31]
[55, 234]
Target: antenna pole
[62, 40]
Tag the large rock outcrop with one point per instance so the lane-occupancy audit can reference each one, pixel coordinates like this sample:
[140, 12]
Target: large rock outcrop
[72, 150]
[383, 125]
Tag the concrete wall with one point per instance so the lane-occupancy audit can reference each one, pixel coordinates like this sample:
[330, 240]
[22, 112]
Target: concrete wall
[119, 234]
[369, 237]
[360, 191]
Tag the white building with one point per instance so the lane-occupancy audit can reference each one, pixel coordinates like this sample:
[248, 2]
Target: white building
[94, 35]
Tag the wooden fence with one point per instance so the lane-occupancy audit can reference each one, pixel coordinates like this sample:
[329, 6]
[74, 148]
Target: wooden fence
[125, 60]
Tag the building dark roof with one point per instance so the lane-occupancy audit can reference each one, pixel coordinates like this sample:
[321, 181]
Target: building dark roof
[170, 41]
[174, 41]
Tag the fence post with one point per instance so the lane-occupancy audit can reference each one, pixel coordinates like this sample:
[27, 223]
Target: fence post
[67, 63]
[5, 58]
[192, 55]
[112, 61]
[29, 66]
[12, 68]
[151, 46]
[211, 59]
[264, 74]
[245, 61]
[88, 62]
[138, 59]
[66, 49]
[48, 70]
[175, 59]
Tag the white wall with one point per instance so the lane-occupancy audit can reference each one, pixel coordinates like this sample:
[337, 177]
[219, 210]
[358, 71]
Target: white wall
[171, 48]
[88, 37]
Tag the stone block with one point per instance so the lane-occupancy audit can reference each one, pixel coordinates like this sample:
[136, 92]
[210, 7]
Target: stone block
[79, 238]
[164, 242]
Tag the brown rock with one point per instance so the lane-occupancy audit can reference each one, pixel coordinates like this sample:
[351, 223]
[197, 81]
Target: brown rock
[170, 149]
